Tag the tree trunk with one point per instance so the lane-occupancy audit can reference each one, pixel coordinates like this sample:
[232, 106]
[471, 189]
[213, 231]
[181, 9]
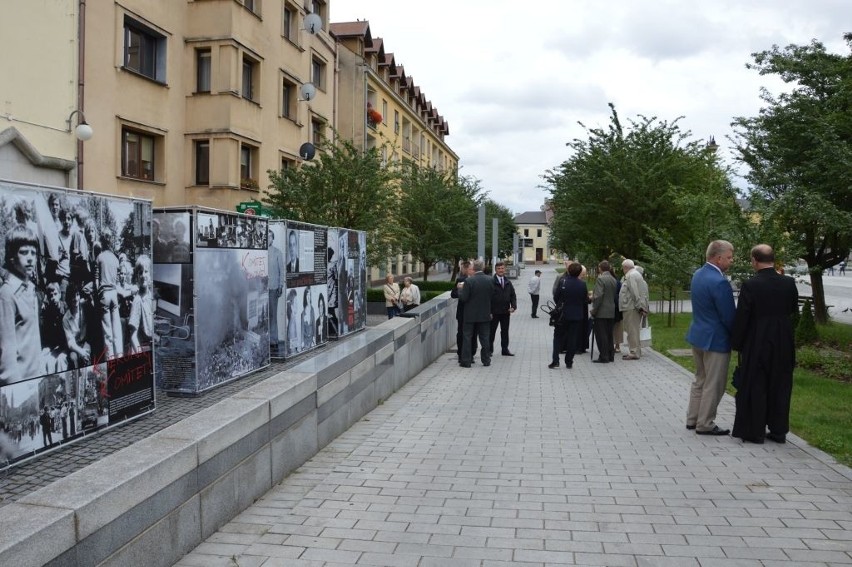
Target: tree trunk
[818, 293]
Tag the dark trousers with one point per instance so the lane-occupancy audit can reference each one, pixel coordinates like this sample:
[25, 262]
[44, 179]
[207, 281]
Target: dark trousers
[565, 334]
[534, 297]
[503, 321]
[460, 337]
[472, 331]
[604, 339]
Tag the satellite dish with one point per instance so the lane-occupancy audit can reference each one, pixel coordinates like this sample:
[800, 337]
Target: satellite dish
[307, 151]
[308, 91]
[313, 23]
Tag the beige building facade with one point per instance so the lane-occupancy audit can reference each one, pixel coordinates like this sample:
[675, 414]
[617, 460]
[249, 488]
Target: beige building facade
[38, 92]
[190, 101]
[534, 237]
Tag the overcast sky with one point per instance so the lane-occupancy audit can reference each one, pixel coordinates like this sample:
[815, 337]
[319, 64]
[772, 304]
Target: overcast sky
[513, 79]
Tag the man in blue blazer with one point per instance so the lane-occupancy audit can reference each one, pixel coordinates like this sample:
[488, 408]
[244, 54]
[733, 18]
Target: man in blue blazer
[709, 334]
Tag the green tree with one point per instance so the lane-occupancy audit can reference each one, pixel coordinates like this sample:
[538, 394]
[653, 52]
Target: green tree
[506, 229]
[622, 180]
[798, 150]
[343, 187]
[437, 214]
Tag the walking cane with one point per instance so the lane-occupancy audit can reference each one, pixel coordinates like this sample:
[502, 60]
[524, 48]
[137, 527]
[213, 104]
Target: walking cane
[592, 339]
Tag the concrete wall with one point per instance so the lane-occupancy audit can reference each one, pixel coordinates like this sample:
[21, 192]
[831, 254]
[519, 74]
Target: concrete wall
[153, 502]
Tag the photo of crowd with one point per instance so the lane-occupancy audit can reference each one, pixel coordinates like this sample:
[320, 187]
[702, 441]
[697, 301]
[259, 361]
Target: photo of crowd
[75, 294]
[231, 285]
[224, 230]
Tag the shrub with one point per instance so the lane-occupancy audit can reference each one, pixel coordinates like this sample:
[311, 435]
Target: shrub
[806, 331]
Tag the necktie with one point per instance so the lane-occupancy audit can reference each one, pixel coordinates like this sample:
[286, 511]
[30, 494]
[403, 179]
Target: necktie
[501, 282]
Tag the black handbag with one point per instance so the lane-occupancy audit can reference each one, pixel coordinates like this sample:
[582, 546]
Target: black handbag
[553, 311]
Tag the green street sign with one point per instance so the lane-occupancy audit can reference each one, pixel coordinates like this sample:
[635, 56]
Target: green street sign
[253, 208]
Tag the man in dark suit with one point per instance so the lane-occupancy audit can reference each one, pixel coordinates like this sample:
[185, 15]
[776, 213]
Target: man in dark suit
[292, 252]
[763, 335]
[503, 304]
[476, 294]
[710, 336]
[465, 271]
[574, 298]
[603, 310]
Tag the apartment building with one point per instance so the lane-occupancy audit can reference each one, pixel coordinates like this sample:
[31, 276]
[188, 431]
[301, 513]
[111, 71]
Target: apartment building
[193, 101]
[190, 101]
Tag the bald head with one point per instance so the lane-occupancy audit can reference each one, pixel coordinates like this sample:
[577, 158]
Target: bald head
[763, 256]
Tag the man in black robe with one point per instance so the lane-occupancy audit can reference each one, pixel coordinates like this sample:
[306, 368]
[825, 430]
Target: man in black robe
[763, 335]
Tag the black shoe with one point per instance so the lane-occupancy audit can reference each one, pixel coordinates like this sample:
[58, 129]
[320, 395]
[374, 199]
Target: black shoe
[486, 363]
[777, 437]
[598, 360]
[535, 316]
[690, 427]
[553, 365]
[507, 353]
[569, 365]
[463, 365]
[755, 441]
[715, 431]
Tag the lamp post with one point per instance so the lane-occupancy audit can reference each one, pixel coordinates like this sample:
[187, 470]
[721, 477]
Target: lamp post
[82, 132]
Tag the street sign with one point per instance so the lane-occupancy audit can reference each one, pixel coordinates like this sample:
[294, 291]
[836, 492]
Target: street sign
[253, 208]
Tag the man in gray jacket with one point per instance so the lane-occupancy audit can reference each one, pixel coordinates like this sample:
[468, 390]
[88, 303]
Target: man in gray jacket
[603, 311]
[633, 304]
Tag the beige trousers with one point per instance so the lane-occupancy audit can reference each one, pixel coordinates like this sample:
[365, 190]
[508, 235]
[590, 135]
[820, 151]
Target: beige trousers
[632, 322]
[711, 374]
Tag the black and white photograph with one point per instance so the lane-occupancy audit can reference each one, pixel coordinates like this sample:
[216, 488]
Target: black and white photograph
[305, 288]
[171, 236]
[75, 293]
[232, 287]
[350, 313]
[277, 238]
[332, 287]
[174, 329]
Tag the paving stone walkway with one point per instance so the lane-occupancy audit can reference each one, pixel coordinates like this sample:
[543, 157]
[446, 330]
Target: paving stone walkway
[517, 464]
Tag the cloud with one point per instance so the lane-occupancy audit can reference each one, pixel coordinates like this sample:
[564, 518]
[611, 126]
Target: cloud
[513, 81]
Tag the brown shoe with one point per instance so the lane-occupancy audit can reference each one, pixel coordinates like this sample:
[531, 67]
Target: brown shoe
[629, 357]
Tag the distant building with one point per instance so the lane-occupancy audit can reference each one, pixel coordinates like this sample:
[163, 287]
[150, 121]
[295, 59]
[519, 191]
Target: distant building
[534, 232]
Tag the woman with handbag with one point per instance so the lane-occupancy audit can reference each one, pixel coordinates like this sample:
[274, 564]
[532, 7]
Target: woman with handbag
[392, 299]
[410, 295]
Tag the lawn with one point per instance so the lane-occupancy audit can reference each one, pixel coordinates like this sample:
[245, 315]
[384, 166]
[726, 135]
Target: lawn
[822, 383]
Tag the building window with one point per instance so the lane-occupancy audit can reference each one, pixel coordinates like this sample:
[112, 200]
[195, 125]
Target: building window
[250, 5]
[317, 127]
[144, 51]
[248, 165]
[203, 67]
[288, 27]
[396, 122]
[384, 112]
[318, 8]
[250, 77]
[289, 97]
[137, 155]
[538, 232]
[287, 163]
[202, 162]
[318, 73]
[526, 232]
